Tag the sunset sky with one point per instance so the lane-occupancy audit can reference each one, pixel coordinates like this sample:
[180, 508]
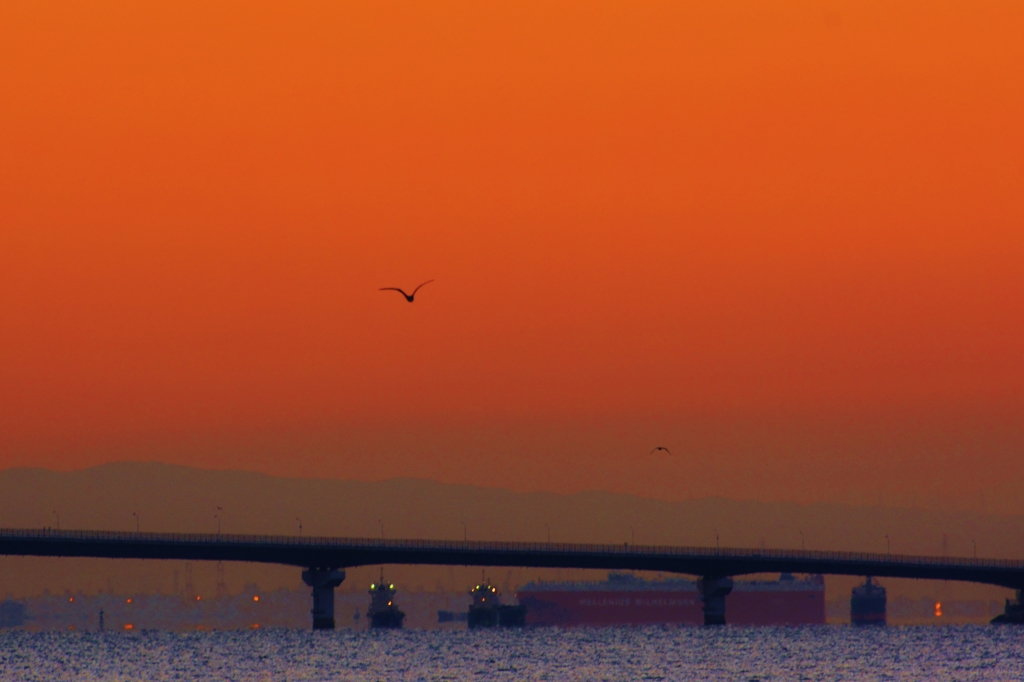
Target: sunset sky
[783, 239]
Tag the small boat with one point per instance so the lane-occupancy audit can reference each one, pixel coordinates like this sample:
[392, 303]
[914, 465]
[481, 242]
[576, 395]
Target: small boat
[382, 612]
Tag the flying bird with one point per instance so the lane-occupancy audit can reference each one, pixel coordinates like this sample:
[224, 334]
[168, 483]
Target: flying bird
[408, 297]
[661, 448]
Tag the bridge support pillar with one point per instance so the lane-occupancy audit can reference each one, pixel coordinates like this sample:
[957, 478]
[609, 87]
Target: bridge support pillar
[323, 581]
[713, 591]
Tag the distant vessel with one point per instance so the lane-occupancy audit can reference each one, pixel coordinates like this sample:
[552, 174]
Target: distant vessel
[383, 613]
[867, 604]
[1014, 612]
[487, 611]
[12, 614]
[452, 616]
[624, 599]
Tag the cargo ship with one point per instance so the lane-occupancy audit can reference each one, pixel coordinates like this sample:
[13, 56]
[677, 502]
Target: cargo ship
[382, 612]
[625, 599]
[867, 604]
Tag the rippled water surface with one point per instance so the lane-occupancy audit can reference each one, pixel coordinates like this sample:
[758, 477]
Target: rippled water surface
[810, 653]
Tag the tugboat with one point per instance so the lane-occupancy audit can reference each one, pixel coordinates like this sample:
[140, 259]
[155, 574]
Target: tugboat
[487, 611]
[867, 604]
[383, 613]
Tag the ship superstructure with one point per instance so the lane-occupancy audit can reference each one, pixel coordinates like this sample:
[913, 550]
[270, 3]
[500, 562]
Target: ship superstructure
[486, 609]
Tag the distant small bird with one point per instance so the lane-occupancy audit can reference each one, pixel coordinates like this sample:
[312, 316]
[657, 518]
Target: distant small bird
[408, 297]
[661, 448]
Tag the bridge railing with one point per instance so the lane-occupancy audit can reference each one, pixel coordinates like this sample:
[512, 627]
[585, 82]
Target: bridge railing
[476, 547]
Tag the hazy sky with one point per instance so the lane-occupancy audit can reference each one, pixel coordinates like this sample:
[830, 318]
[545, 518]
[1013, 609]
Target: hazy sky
[784, 239]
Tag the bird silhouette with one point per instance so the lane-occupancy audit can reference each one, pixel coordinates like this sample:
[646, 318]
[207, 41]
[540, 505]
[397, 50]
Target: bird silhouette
[661, 448]
[408, 297]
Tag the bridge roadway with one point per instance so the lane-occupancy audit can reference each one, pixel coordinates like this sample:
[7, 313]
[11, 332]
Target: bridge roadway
[324, 559]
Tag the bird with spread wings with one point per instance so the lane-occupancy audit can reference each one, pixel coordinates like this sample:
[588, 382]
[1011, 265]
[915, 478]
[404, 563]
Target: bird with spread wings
[408, 297]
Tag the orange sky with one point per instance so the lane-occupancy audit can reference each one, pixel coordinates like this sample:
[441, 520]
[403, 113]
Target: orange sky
[785, 239]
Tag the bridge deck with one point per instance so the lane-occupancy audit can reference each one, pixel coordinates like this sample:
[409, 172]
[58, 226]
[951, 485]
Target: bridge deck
[332, 552]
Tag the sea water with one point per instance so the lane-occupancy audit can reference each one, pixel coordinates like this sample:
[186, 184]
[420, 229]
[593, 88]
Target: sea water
[637, 653]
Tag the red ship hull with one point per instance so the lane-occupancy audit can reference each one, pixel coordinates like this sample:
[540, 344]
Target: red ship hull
[649, 607]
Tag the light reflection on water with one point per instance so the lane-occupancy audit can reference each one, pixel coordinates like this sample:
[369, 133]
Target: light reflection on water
[647, 653]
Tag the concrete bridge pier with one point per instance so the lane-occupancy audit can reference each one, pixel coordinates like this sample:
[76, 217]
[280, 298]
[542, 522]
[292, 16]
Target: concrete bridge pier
[323, 581]
[713, 591]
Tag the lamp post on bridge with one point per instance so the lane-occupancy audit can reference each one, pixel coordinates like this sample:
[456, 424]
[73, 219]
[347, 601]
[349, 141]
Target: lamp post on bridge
[300, 525]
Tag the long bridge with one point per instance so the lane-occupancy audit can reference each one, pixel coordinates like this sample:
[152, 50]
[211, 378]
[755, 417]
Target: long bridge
[325, 558]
